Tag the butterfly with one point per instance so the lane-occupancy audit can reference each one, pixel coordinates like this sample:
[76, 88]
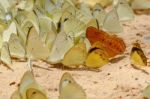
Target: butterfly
[146, 92]
[75, 56]
[124, 11]
[5, 55]
[48, 30]
[99, 13]
[137, 56]
[112, 44]
[140, 4]
[60, 47]
[29, 89]
[15, 47]
[69, 89]
[97, 56]
[35, 48]
[111, 22]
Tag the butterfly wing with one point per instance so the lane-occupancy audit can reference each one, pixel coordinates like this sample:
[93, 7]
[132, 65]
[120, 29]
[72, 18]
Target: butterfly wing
[93, 22]
[65, 79]
[16, 95]
[69, 89]
[140, 4]
[11, 29]
[124, 11]
[5, 54]
[72, 91]
[15, 47]
[61, 45]
[114, 46]
[35, 94]
[146, 92]
[94, 35]
[112, 23]
[100, 14]
[29, 89]
[75, 56]
[137, 56]
[96, 58]
[35, 48]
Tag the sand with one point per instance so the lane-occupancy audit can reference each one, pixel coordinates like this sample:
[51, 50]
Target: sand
[117, 80]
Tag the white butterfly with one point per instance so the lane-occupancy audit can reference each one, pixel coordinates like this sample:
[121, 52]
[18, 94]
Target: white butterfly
[140, 4]
[5, 55]
[15, 47]
[35, 48]
[112, 23]
[124, 11]
[99, 13]
[61, 45]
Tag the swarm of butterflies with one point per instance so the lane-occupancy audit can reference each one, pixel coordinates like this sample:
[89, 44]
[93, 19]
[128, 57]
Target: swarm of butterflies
[67, 32]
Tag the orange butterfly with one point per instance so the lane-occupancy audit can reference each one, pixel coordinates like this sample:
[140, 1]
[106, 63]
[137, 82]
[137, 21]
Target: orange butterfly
[112, 44]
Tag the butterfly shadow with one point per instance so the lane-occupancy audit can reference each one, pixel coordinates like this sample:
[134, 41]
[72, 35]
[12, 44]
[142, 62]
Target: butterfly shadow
[80, 68]
[142, 12]
[117, 59]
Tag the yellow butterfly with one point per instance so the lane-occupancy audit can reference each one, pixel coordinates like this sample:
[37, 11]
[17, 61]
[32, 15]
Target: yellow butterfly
[137, 57]
[146, 92]
[5, 55]
[140, 4]
[29, 89]
[75, 56]
[15, 47]
[96, 57]
[93, 22]
[35, 48]
[124, 11]
[69, 89]
[111, 23]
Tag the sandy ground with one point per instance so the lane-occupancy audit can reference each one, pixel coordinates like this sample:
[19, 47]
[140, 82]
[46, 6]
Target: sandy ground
[117, 80]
